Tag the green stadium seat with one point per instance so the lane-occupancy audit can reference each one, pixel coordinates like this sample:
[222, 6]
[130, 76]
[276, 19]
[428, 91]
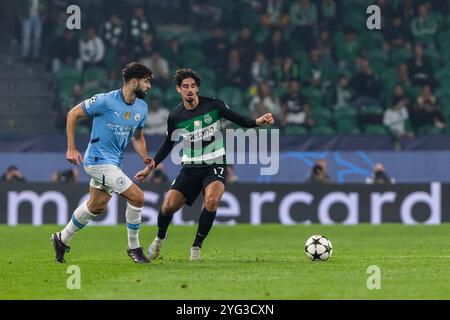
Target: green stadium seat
[172, 99]
[429, 130]
[155, 92]
[231, 96]
[400, 56]
[295, 130]
[375, 129]
[346, 126]
[322, 116]
[95, 75]
[314, 96]
[322, 129]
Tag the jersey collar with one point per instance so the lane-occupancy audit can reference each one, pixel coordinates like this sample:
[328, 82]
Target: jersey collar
[123, 98]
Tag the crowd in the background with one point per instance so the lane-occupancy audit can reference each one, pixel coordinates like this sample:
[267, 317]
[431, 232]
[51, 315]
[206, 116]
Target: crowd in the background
[312, 63]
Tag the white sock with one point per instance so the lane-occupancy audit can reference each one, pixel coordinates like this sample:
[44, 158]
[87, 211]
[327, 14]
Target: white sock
[80, 218]
[134, 217]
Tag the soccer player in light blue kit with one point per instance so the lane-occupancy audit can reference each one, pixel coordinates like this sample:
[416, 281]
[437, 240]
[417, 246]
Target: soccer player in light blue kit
[118, 118]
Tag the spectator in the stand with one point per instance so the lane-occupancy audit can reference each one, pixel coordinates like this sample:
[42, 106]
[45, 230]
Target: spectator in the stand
[275, 14]
[328, 14]
[424, 27]
[92, 49]
[32, 14]
[138, 27]
[286, 71]
[420, 68]
[236, 74]
[427, 111]
[12, 174]
[315, 71]
[205, 13]
[216, 49]
[159, 175]
[265, 101]
[277, 47]
[295, 110]
[69, 175]
[246, 46]
[147, 47]
[157, 122]
[66, 51]
[379, 176]
[325, 47]
[386, 7]
[397, 34]
[367, 85]
[174, 53]
[349, 49]
[303, 18]
[406, 9]
[260, 68]
[160, 67]
[114, 33]
[404, 80]
[396, 119]
[343, 93]
[319, 173]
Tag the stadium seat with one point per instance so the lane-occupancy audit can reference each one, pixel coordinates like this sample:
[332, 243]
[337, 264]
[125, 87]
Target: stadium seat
[375, 129]
[172, 99]
[322, 129]
[400, 56]
[322, 116]
[314, 96]
[155, 92]
[295, 130]
[231, 95]
[95, 76]
[429, 130]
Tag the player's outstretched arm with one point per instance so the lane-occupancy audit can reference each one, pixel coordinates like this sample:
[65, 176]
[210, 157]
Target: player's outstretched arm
[243, 121]
[72, 154]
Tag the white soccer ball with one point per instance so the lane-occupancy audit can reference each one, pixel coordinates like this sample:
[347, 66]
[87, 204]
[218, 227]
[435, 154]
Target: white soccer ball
[318, 248]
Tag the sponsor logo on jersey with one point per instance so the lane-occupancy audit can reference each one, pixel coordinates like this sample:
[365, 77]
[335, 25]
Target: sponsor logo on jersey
[197, 123]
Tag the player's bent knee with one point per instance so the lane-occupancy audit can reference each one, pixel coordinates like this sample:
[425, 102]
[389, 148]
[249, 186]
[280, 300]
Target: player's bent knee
[168, 209]
[97, 209]
[211, 204]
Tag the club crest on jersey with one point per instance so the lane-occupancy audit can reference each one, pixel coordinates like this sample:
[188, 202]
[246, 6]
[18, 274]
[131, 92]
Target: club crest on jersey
[127, 115]
[208, 119]
[137, 117]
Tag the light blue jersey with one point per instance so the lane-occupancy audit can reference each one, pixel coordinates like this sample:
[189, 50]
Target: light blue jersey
[114, 124]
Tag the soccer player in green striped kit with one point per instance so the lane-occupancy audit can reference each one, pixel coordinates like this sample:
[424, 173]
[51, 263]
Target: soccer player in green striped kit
[204, 161]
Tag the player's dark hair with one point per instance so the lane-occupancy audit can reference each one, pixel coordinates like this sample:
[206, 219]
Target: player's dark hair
[135, 70]
[182, 74]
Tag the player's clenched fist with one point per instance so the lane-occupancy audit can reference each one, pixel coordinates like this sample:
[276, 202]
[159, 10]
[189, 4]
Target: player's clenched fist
[265, 119]
[74, 156]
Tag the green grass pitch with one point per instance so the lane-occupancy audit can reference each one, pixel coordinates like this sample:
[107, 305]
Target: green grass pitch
[239, 262]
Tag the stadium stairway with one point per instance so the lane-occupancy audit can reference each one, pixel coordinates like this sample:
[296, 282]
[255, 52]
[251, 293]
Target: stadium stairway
[26, 95]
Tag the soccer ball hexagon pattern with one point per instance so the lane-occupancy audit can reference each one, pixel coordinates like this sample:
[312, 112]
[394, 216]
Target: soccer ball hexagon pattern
[318, 248]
